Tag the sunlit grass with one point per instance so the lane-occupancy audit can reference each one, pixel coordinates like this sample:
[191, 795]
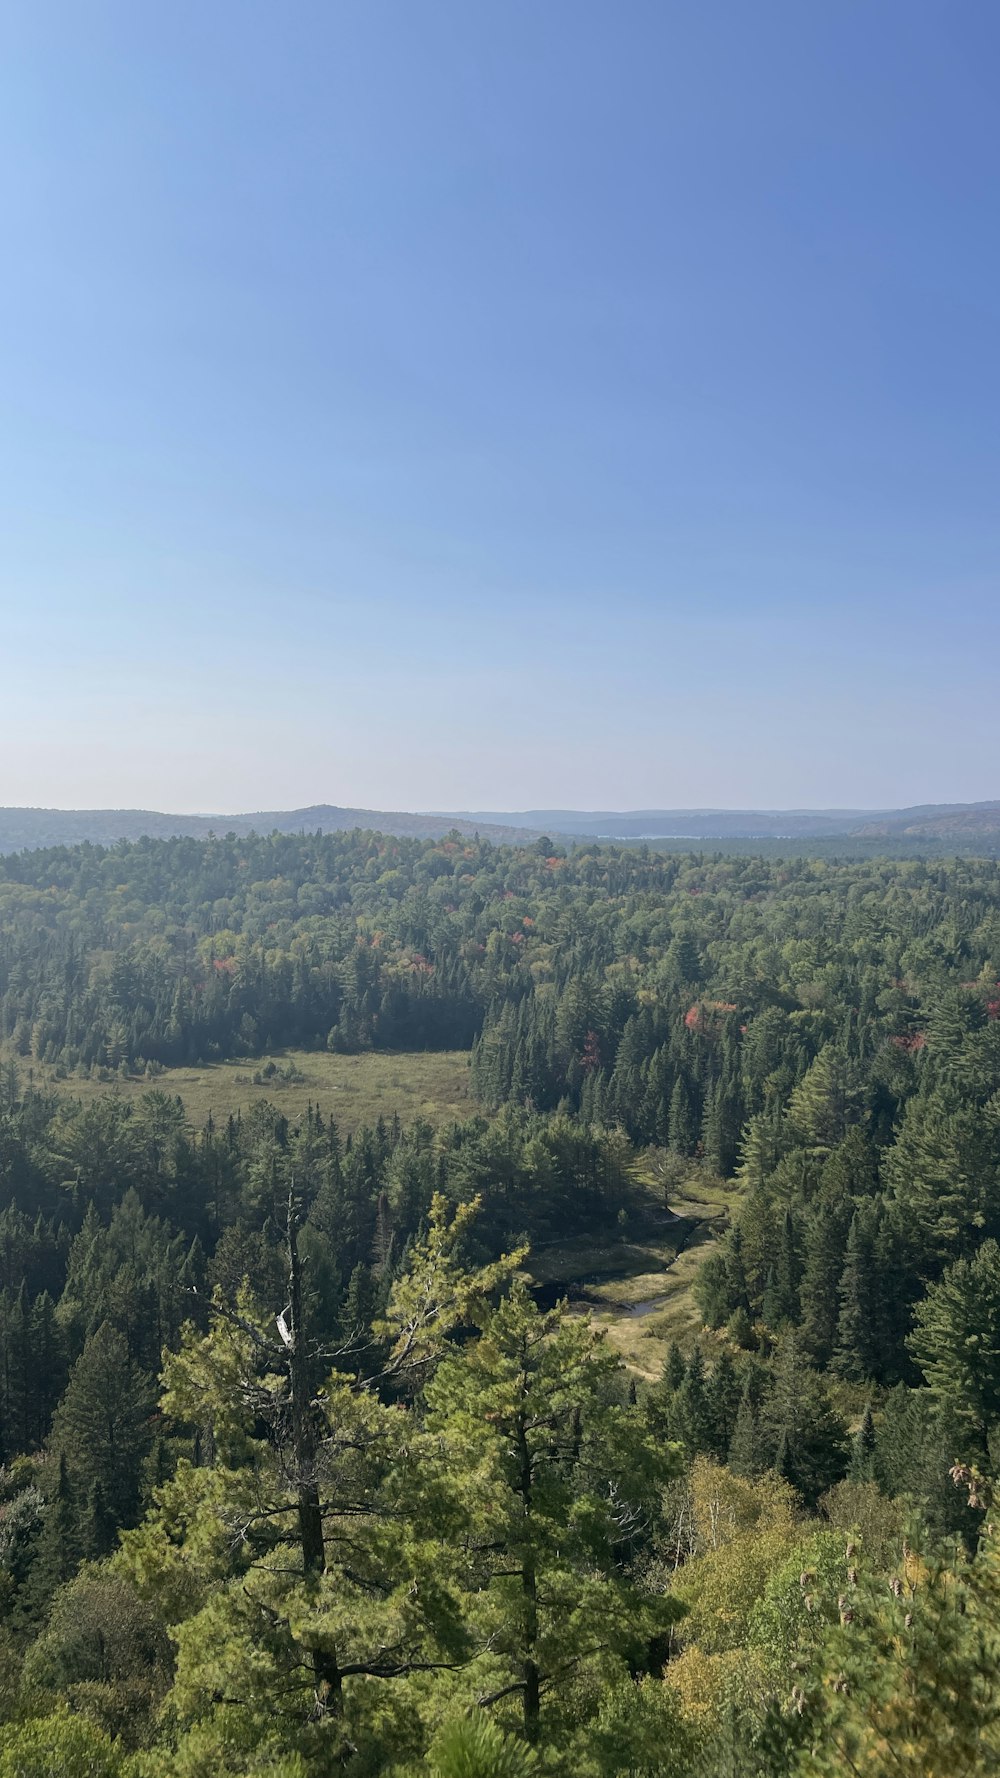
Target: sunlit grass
[353, 1090]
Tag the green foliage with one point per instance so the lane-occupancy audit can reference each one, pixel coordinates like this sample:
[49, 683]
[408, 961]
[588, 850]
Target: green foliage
[58, 1746]
[389, 1511]
[956, 1342]
[544, 1475]
[474, 1747]
[102, 1427]
[906, 1676]
[106, 1652]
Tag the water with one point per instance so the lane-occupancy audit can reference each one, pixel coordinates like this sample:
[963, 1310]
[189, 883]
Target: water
[580, 1292]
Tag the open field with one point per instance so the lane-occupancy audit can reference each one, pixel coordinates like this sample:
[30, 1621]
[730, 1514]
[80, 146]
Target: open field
[637, 1284]
[354, 1090]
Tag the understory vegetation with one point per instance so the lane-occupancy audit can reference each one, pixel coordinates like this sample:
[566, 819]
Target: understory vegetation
[300, 1473]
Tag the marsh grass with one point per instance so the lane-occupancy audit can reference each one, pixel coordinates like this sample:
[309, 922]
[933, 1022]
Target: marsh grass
[353, 1090]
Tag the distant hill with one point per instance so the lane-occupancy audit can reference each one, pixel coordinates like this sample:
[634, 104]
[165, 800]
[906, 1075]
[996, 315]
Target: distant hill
[696, 824]
[930, 825]
[32, 828]
[927, 820]
[941, 821]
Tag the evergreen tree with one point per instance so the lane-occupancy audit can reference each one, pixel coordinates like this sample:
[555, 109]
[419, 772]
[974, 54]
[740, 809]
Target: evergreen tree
[535, 1452]
[864, 1450]
[57, 1548]
[826, 1233]
[48, 1367]
[725, 1395]
[798, 1419]
[103, 1424]
[956, 1342]
[781, 1297]
[821, 1104]
[97, 1525]
[674, 1368]
[682, 1120]
[692, 1417]
[318, 1580]
[746, 1450]
[856, 1355]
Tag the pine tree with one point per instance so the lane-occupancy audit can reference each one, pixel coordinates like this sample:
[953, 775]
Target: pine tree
[820, 1106]
[850, 1170]
[725, 1394]
[956, 1342]
[57, 1550]
[692, 1419]
[682, 1122]
[799, 1419]
[532, 1446]
[826, 1232]
[102, 1426]
[320, 1580]
[97, 1525]
[939, 1170]
[856, 1353]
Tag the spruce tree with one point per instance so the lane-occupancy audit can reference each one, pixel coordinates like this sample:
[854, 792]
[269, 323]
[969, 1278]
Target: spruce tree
[745, 1455]
[799, 1419]
[682, 1122]
[781, 1299]
[103, 1423]
[674, 1368]
[856, 1353]
[956, 1342]
[725, 1394]
[822, 1270]
[57, 1550]
[97, 1525]
[692, 1419]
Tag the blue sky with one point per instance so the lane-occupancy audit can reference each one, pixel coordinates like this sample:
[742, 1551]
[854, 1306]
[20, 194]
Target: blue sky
[416, 403]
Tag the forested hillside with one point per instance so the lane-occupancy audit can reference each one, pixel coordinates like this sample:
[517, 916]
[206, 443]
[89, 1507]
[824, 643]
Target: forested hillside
[298, 1474]
[20, 828]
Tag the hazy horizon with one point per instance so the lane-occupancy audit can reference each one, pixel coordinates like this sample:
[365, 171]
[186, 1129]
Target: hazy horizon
[510, 809]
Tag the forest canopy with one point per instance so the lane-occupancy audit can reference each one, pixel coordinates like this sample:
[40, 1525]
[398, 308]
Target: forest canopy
[299, 1473]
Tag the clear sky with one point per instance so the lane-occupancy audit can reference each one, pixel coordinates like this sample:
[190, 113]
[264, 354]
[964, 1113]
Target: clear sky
[499, 403]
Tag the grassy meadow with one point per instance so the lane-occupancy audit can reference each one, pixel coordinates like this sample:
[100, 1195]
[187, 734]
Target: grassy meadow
[354, 1090]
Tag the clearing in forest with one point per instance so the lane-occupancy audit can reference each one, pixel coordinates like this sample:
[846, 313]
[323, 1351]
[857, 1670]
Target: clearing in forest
[353, 1090]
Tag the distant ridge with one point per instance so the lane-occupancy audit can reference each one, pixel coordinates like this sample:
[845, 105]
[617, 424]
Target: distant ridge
[935, 820]
[684, 823]
[33, 828]
[963, 823]
[929, 820]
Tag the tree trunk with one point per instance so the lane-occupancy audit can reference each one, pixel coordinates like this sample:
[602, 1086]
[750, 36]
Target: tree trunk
[329, 1680]
[529, 1588]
